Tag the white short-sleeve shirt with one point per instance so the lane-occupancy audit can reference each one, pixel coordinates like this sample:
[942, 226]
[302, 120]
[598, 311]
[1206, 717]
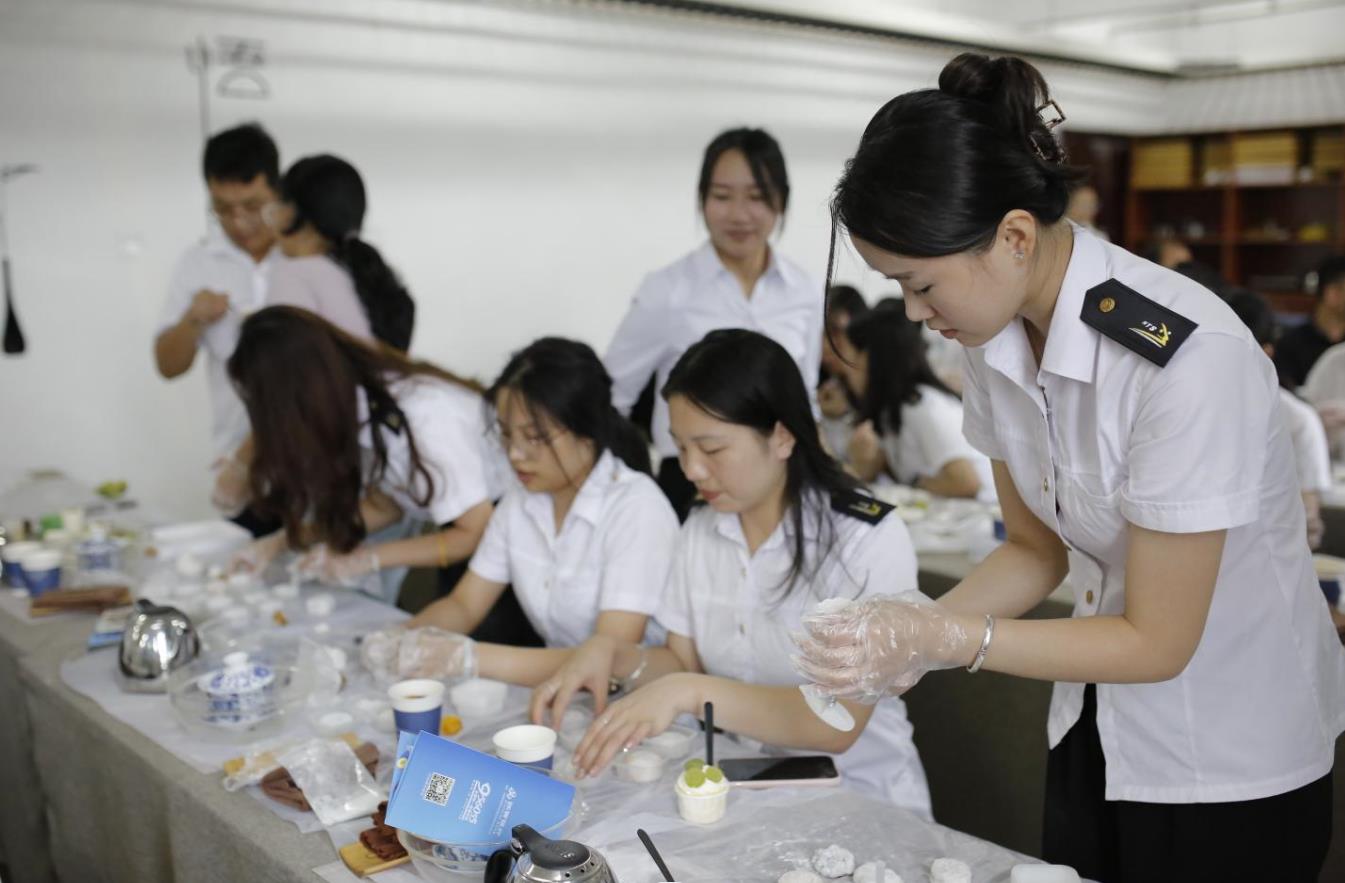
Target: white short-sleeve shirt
[931, 438]
[729, 602]
[216, 264]
[1325, 385]
[1099, 438]
[449, 426]
[1308, 436]
[612, 552]
[678, 305]
[322, 286]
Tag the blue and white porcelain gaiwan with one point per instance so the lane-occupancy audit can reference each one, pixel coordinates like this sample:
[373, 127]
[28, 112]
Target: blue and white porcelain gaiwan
[241, 693]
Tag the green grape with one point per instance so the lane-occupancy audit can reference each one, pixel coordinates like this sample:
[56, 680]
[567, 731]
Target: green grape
[714, 774]
[694, 778]
[694, 764]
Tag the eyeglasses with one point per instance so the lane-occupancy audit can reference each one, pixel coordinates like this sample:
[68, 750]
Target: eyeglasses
[251, 213]
[527, 442]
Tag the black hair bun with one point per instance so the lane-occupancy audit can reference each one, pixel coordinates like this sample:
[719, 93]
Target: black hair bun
[1014, 90]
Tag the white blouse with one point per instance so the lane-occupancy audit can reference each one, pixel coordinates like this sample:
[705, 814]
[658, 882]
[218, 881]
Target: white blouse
[1099, 438]
[730, 603]
[678, 305]
[612, 552]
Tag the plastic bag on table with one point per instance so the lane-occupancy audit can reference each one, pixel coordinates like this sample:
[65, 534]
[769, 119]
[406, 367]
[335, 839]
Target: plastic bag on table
[333, 780]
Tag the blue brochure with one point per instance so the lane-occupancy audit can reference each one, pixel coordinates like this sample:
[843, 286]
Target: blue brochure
[450, 793]
[406, 743]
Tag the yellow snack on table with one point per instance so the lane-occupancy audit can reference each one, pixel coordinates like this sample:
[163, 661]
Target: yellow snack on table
[451, 725]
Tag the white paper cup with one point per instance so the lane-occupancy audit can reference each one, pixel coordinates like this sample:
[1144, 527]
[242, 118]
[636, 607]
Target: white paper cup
[417, 705]
[528, 745]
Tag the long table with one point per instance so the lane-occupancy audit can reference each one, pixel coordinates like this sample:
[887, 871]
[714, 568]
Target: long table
[88, 798]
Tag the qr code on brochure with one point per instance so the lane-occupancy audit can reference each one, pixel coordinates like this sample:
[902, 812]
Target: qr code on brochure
[437, 789]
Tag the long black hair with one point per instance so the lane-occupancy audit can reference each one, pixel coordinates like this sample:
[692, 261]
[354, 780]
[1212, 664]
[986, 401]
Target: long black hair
[938, 169]
[327, 192]
[566, 380]
[300, 377]
[764, 158]
[898, 364]
[748, 379]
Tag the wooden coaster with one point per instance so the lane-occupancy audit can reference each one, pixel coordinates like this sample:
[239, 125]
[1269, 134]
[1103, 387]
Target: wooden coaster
[363, 862]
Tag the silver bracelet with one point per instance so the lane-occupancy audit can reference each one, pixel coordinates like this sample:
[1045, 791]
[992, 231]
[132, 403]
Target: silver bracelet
[624, 684]
[985, 645]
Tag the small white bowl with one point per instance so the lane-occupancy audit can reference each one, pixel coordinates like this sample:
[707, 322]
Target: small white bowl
[673, 743]
[639, 765]
[478, 697]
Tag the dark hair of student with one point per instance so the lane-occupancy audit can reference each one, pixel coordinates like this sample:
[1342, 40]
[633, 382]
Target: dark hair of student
[846, 299]
[565, 380]
[1331, 272]
[763, 158]
[748, 379]
[240, 154]
[898, 364]
[327, 192]
[299, 377]
[936, 170]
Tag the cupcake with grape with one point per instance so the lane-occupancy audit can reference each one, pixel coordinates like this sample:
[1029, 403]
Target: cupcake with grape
[702, 793]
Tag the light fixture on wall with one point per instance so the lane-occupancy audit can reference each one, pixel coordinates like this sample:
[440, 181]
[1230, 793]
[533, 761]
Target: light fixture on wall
[242, 59]
[14, 342]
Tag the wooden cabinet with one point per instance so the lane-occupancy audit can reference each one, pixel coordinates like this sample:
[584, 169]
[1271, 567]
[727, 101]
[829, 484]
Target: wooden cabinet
[1262, 208]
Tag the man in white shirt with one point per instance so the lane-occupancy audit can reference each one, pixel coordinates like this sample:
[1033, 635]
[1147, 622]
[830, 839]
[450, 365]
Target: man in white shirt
[218, 281]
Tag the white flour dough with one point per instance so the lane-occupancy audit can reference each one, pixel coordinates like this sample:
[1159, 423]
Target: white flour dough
[834, 861]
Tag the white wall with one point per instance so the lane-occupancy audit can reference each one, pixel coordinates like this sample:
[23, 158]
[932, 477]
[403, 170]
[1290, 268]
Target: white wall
[526, 164]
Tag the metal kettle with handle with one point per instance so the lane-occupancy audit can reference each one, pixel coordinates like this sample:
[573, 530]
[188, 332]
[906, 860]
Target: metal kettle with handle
[532, 858]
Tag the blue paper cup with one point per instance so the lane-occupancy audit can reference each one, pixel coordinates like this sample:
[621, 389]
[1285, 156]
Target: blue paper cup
[11, 557]
[41, 571]
[417, 705]
[526, 745]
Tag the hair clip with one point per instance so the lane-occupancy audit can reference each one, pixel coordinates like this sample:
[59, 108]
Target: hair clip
[1049, 124]
[1059, 114]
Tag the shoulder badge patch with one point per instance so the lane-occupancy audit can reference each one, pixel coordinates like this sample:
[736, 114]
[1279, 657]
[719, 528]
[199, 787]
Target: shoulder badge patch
[1135, 322]
[860, 506]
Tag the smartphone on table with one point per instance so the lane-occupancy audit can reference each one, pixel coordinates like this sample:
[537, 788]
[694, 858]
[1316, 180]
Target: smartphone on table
[809, 770]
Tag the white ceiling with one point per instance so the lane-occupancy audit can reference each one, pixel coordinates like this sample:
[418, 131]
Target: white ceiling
[1150, 35]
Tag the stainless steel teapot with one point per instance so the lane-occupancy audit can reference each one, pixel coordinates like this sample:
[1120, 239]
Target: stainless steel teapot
[532, 858]
[157, 641]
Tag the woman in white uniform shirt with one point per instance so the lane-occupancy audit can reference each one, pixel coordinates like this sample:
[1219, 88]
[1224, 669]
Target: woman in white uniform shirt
[585, 537]
[1131, 421]
[735, 280]
[783, 528]
[350, 439]
[910, 423]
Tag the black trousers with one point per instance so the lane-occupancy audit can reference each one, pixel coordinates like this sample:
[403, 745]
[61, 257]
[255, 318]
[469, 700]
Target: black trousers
[680, 492]
[506, 623]
[1282, 838]
[255, 524]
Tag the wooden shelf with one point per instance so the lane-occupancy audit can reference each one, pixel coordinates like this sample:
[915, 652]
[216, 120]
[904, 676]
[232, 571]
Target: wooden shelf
[1227, 211]
[1252, 240]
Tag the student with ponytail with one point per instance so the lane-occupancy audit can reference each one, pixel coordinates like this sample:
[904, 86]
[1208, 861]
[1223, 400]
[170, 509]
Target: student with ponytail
[1133, 426]
[334, 273]
[584, 536]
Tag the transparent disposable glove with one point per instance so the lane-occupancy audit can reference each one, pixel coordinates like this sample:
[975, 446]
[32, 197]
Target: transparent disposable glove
[258, 554]
[351, 570]
[880, 646]
[397, 653]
